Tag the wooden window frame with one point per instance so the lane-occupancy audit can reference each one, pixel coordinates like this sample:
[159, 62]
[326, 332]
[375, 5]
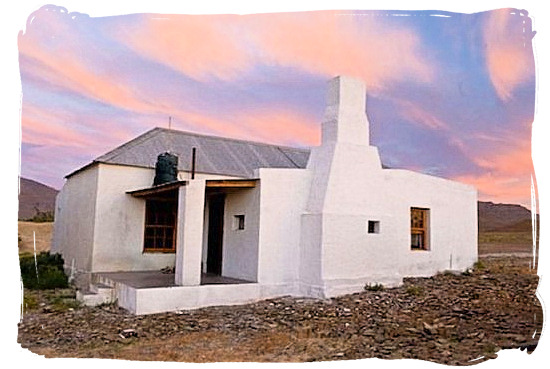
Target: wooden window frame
[164, 229]
[423, 231]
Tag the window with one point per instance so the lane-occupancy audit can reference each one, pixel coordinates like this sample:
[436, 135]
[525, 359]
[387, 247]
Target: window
[238, 222]
[160, 225]
[373, 226]
[419, 229]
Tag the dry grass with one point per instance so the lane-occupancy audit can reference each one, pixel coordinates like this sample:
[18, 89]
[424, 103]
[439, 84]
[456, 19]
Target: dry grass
[505, 243]
[506, 237]
[43, 233]
[209, 347]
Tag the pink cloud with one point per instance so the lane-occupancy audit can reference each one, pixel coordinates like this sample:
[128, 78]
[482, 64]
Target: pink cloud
[415, 113]
[514, 159]
[198, 46]
[500, 188]
[43, 127]
[334, 42]
[63, 63]
[508, 51]
[52, 134]
[328, 43]
[276, 126]
[282, 127]
[84, 134]
[509, 167]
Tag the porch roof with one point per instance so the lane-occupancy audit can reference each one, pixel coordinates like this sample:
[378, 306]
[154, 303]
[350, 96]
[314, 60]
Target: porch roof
[231, 183]
[155, 190]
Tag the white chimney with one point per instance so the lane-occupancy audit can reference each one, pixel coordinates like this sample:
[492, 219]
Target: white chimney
[345, 120]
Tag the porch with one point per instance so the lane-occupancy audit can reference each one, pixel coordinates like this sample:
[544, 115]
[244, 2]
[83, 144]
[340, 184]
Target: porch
[157, 278]
[150, 292]
[203, 222]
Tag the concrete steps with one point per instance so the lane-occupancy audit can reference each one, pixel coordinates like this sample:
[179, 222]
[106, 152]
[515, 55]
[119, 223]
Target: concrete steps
[97, 294]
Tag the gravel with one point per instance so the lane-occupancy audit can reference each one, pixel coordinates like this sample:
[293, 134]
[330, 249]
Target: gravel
[449, 319]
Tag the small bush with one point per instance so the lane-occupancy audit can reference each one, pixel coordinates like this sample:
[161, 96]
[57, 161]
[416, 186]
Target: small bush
[61, 303]
[374, 287]
[29, 302]
[50, 271]
[415, 290]
[42, 217]
[479, 265]
[490, 348]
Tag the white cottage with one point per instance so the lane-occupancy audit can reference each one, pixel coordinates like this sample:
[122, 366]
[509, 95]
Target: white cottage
[247, 221]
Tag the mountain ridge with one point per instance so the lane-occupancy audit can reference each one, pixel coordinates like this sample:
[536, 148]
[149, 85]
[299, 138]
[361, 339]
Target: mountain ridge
[498, 217]
[35, 197]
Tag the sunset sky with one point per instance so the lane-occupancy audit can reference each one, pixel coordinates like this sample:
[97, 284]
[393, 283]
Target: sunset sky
[448, 94]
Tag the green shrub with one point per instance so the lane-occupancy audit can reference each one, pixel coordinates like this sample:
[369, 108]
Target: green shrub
[50, 271]
[415, 290]
[479, 265]
[42, 217]
[64, 303]
[29, 302]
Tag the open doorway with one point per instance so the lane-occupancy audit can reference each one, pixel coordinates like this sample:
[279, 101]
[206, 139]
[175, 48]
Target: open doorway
[216, 205]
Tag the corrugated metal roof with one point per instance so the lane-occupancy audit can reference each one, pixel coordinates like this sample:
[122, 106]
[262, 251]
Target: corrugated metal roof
[215, 155]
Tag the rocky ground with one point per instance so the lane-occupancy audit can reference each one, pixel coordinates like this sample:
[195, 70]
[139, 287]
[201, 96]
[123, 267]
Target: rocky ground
[450, 319]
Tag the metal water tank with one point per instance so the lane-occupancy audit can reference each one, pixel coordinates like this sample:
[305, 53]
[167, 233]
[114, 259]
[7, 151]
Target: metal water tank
[166, 169]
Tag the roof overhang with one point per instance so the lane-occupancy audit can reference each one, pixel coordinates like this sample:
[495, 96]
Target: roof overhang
[156, 190]
[231, 183]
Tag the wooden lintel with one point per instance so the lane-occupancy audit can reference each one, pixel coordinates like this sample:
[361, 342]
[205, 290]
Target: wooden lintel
[231, 183]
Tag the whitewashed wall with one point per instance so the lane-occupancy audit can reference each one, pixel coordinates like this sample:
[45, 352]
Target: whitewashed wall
[349, 188]
[240, 247]
[75, 217]
[284, 193]
[353, 257]
[453, 222]
[100, 226]
[120, 222]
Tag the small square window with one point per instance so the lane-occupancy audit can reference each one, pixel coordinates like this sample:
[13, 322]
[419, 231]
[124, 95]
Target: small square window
[373, 226]
[238, 222]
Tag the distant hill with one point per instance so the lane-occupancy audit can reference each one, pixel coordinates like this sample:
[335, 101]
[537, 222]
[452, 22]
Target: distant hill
[34, 197]
[503, 217]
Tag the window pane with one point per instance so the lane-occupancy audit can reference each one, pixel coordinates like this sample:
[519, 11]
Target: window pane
[160, 224]
[417, 241]
[419, 229]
